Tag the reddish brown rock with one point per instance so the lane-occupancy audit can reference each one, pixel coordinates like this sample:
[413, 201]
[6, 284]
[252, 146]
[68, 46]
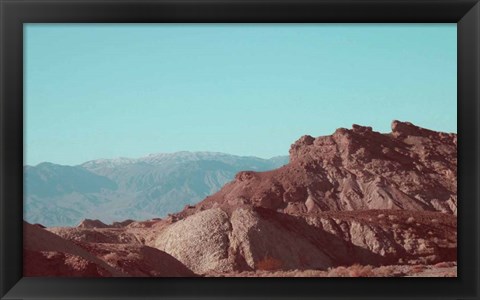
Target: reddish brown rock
[46, 254]
[225, 240]
[80, 253]
[88, 223]
[411, 168]
[138, 260]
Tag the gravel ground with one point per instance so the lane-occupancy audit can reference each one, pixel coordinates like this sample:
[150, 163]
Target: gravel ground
[443, 269]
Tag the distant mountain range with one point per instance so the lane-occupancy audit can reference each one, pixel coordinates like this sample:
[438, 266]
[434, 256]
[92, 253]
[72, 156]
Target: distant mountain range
[125, 188]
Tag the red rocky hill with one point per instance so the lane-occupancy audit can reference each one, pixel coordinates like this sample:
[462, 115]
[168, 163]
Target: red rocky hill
[411, 168]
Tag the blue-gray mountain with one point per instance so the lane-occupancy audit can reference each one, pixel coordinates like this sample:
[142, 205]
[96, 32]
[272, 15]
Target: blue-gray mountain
[124, 188]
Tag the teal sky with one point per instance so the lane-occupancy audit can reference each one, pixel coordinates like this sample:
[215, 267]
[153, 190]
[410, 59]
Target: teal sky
[104, 91]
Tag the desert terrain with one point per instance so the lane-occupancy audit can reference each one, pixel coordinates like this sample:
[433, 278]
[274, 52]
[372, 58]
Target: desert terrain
[357, 203]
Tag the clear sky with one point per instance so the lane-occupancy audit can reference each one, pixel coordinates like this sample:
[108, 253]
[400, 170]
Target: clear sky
[105, 91]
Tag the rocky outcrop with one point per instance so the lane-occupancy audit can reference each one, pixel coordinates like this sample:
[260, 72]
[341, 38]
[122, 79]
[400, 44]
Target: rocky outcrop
[138, 260]
[263, 243]
[96, 235]
[250, 238]
[48, 254]
[200, 242]
[410, 168]
[88, 223]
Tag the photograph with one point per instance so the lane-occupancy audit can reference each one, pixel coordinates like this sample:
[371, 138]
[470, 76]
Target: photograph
[240, 150]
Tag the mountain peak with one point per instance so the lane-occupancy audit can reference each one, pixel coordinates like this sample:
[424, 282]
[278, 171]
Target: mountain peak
[89, 223]
[404, 129]
[345, 140]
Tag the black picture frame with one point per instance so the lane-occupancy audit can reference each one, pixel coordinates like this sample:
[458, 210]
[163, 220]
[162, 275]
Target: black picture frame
[14, 13]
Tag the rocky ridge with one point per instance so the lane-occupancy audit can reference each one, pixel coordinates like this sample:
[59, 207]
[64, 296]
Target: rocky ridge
[411, 168]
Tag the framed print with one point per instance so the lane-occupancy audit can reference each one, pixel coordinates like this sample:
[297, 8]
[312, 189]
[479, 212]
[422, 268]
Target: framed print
[239, 149]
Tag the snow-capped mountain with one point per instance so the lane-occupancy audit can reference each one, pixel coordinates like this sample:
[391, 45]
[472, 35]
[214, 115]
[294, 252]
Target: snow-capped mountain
[130, 188]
